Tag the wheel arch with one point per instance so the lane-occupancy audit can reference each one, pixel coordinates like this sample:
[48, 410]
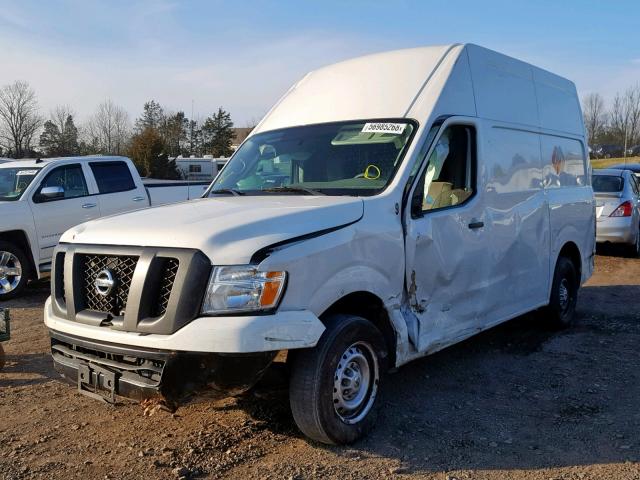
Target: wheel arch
[370, 307]
[20, 239]
[571, 251]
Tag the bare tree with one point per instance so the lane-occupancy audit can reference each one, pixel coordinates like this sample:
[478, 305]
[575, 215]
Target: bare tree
[109, 129]
[19, 117]
[594, 116]
[59, 116]
[625, 116]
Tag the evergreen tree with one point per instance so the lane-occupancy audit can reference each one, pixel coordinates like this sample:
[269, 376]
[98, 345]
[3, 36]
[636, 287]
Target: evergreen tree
[175, 133]
[218, 134]
[50, 139]
[194, 139]
[69, 138]
[152, 116]
[57, 143]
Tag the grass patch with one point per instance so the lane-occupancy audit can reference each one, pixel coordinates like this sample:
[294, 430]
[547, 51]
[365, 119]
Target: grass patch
[607, 162]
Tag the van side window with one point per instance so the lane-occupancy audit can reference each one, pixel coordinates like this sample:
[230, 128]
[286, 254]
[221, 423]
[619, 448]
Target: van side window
[448, 178]
[112, 177]
[564, 162]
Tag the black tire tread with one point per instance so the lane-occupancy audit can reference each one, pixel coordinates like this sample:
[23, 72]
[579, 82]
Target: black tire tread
[552, 314]
[306, 372]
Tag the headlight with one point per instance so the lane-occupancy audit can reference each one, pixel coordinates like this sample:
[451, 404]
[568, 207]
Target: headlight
[241, 289]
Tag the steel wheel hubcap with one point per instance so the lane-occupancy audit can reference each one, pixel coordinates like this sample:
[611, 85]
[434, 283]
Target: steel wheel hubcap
[10, 272]
[355, 384]
[564, 294]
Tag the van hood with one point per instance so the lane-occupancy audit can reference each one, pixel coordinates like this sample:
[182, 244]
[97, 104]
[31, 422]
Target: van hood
[229, 230]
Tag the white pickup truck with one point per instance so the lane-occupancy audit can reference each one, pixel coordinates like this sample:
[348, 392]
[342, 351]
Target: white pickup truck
[40, 199]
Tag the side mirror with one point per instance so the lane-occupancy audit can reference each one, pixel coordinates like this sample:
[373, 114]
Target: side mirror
[51, 193]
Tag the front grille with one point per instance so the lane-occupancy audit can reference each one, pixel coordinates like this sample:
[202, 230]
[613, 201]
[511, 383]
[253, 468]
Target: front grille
[168, 274]
[121, 268]
[137, 289]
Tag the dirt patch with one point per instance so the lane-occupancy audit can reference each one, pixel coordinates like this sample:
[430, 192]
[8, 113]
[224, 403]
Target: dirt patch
[517, 401]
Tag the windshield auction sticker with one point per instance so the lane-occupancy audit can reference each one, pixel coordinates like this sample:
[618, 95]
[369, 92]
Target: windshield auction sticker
[396, 128]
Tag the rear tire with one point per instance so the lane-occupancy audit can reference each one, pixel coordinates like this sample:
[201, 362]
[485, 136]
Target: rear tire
[14, 271]
[564, 295]
[334, 386]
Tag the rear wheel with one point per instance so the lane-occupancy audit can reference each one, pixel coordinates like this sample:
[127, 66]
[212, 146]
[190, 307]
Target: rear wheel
[564, 295]
[334, 386]
[13, 270]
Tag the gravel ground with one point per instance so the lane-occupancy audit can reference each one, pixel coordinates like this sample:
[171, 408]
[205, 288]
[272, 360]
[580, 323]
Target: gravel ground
[516, 402]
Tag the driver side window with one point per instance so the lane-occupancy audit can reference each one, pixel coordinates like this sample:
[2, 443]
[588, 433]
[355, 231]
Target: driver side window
[448, 179]
[70, 178]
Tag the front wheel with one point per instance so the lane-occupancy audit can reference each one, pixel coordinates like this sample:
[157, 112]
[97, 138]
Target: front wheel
[334, 386]
[13, 271]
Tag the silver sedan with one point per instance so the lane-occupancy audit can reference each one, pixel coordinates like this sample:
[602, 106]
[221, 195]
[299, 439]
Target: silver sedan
[617, 208]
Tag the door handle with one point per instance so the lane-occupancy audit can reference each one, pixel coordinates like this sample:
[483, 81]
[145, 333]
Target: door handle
[474, 225]
[138, 199]
[89, 205]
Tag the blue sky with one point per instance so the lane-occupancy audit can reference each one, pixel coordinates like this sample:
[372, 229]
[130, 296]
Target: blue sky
[244, 55]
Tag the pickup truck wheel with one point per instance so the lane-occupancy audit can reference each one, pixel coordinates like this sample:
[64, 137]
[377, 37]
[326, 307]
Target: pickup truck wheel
[564, 295]
[334, 386]
[14, 268]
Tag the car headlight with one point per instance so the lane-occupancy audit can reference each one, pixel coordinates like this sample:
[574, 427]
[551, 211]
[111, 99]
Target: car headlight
[242, 289]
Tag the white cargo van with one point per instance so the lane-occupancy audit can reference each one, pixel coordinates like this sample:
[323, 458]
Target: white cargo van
[385, 208]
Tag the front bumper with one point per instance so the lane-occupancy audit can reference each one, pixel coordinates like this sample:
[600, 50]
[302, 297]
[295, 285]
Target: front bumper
[106, 370]
[238, 334]
[616, 230]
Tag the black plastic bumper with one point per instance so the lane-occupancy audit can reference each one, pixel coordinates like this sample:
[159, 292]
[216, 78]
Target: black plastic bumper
[107, 370]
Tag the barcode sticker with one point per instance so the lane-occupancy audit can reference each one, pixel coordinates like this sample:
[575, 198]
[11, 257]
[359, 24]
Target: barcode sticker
[396, 128]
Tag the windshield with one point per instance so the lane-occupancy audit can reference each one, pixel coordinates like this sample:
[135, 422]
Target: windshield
[607, 183]
[14, 181]
[346, 158]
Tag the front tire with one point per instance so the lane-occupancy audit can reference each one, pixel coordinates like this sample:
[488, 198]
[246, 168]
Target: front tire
[334, 386]
[564, 295]
[14, 271]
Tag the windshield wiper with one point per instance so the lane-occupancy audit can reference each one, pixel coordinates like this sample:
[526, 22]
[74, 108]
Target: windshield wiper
[232, 191]
[308, 191]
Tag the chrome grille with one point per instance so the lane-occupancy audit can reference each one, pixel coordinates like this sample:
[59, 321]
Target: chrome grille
[122, 268]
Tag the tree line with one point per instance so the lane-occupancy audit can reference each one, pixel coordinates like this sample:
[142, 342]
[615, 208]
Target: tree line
[151, 141]
[617, 123]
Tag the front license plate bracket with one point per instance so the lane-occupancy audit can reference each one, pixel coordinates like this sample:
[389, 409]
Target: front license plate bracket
[97, 382]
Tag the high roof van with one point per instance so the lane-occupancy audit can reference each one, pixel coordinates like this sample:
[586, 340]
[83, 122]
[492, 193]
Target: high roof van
[386, 207]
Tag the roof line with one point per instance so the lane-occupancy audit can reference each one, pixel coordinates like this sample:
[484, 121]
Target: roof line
[444, 55]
